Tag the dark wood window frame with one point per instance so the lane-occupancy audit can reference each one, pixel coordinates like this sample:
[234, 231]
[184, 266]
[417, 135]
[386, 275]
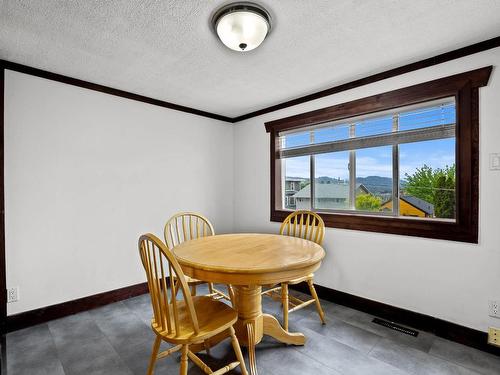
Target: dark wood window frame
[464, 87]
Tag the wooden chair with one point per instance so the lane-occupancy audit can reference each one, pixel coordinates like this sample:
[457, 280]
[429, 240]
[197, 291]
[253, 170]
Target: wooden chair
[310, 226]
[185, 226]
[183, 322]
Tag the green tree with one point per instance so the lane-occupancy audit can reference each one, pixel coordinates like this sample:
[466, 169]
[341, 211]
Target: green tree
[436, 186]
[368, 202]
[444, 198]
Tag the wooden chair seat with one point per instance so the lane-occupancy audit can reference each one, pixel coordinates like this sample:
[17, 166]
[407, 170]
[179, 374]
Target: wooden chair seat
[193, 281]
[301, 279]
[216, 317]
[270, 288]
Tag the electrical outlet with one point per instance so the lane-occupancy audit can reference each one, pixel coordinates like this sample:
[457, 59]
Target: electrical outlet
[494, 308]
[494, 336]
[13, 294]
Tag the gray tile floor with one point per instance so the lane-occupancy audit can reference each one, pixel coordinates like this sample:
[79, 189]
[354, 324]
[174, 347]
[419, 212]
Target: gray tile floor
[116, 339]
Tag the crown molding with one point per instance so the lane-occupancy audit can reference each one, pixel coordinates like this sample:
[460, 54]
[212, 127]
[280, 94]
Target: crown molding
[108, 90]
[435, 60]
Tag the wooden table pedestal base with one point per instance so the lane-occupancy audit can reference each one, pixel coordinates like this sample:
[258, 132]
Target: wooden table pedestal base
[252, 325]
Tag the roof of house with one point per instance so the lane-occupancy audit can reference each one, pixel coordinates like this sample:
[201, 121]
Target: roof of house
[422, 205]
[418, 203]
[297, 179]
[328, 191]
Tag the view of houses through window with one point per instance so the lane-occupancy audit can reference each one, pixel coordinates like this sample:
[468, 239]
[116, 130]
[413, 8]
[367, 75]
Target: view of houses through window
[398, 163]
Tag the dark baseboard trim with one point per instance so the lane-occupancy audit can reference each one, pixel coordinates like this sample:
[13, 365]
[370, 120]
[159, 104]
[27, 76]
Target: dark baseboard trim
[438, 59]
[442, 328]
[107, 90]
[44, 314]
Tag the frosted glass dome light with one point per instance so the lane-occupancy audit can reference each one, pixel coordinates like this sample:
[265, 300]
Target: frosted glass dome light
[242, 26]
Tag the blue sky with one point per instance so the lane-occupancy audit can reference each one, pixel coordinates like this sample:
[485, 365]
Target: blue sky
[377, 161]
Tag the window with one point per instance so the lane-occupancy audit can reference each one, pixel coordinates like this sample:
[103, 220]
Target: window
[402, 162]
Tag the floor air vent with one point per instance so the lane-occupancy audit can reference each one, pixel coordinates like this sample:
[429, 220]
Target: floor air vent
[395, 327]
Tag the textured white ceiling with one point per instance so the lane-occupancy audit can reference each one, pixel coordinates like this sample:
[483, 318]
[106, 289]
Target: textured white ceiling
[166, 50]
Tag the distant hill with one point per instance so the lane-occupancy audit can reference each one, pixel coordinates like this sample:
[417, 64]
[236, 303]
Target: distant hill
[375, 184]
[328, 180]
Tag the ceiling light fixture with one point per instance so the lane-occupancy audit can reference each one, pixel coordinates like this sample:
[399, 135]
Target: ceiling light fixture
[242, 26]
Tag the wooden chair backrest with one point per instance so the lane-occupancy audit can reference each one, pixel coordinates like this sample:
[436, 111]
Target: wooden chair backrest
[304, 224]
[185, 226]
[159, 263]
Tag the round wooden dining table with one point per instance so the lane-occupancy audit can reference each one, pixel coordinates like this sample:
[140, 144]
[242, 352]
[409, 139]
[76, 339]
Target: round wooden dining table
[247, 262]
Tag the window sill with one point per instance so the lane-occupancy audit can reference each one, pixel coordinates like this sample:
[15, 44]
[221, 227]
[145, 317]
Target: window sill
[437, 229]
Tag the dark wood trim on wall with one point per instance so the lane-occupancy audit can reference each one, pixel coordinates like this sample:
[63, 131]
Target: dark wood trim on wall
[438, 88]
[108, 90]
[3, 266]
[431, 61]
[438, 59]
[44, 314]
[442, 328]
[464, 88]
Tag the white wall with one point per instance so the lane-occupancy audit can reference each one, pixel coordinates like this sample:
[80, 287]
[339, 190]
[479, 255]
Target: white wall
[445, 279]
[86, 173]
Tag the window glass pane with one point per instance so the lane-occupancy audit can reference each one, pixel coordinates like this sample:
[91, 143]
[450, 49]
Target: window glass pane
[374, 179]
[428, 179]
[374, 126]
[332, 181]
[295, 139]
[333, 133]
[443, 114]
[296, 178]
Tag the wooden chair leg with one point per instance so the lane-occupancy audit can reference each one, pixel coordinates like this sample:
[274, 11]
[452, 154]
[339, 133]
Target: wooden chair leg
[318, 303]
[210, 288]
[193, 290]
[184, 360]
[230, 292]
[154, 355]
[237, 351]
[284, 301]
[207, 347]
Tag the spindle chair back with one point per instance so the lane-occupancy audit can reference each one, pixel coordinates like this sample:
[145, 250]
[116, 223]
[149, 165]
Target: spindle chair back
[185, 226]
[160, 265]
[304, 224]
